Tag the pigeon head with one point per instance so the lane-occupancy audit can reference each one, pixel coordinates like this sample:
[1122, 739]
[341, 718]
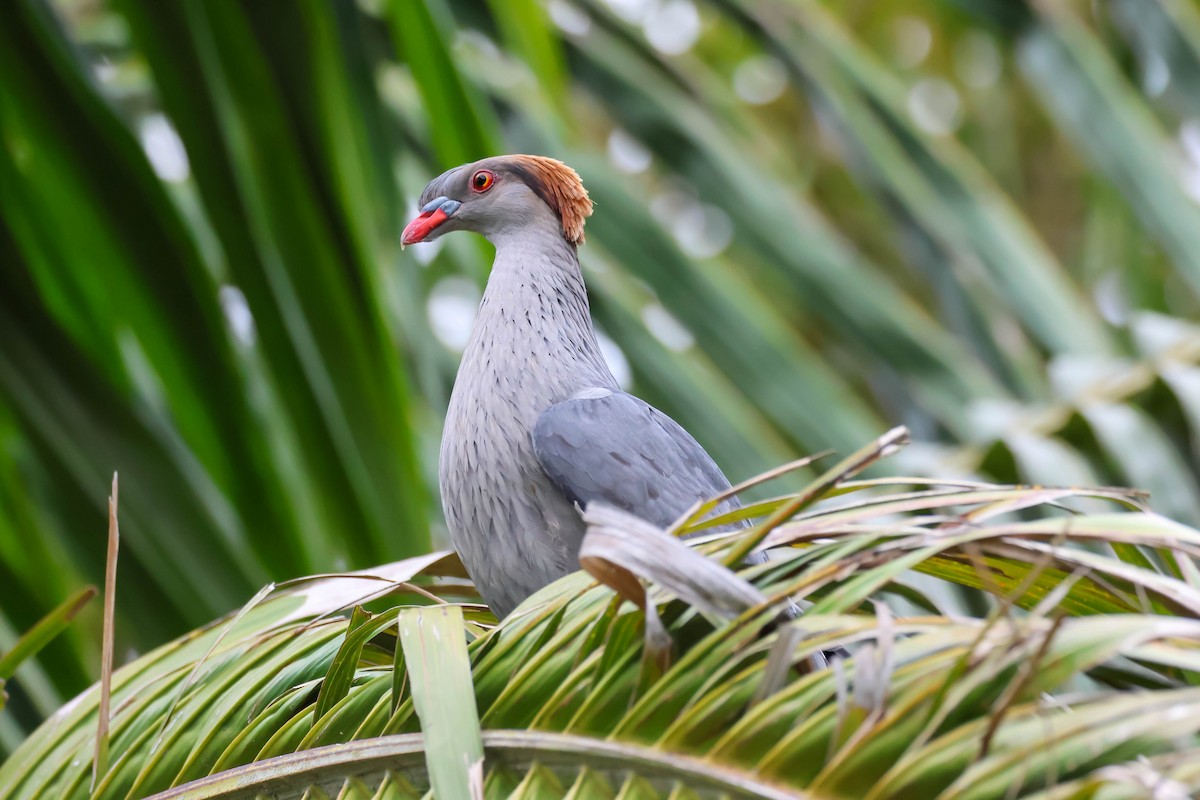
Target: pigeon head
[501, 195]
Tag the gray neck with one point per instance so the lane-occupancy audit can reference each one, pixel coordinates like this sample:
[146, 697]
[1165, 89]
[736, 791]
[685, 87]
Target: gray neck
[534, 319]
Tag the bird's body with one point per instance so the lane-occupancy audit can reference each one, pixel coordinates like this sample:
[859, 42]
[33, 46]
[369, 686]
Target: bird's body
[537, 426]
[532, 346]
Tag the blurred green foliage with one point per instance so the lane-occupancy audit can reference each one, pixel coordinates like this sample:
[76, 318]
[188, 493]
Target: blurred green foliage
[813, 221]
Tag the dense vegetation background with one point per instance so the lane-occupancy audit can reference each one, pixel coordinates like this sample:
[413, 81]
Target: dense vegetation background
[814, 220]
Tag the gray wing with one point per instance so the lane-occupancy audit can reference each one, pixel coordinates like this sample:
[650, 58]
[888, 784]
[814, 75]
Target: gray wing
[611, 446]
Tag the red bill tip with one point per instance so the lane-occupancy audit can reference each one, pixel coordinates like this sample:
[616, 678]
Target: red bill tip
[422, 226]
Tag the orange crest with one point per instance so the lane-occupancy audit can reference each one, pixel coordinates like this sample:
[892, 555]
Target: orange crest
[561, 189]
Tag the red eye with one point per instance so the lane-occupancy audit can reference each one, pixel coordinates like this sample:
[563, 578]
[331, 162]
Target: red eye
[482, 181]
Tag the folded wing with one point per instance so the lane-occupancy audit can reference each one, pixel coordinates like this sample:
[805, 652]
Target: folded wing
[611, 446]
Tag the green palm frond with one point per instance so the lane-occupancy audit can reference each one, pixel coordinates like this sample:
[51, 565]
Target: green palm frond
[1087, 658]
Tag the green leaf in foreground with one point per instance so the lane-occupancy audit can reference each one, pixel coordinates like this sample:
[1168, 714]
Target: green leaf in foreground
[435, 651]
[1080, 663]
